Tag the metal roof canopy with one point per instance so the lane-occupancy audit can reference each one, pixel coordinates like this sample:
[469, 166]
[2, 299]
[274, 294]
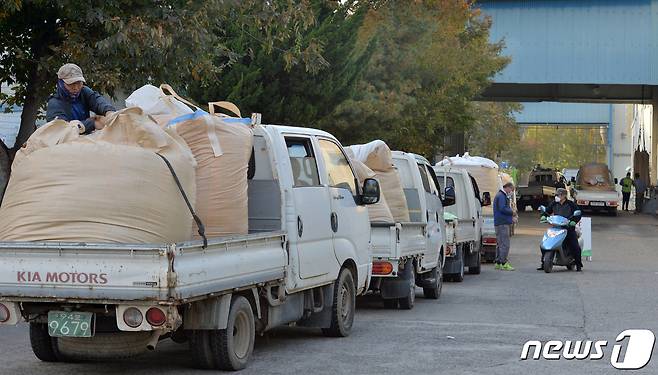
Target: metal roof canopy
[576, 50]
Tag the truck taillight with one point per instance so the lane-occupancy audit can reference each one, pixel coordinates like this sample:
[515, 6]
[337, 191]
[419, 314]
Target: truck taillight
[155, 317]
[613, 203]
[382, 268]
[4, 313]
[582, 203]
[489, 240]
[450, 250]
[133, 317]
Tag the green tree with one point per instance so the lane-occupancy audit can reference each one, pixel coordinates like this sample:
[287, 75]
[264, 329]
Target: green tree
[266, 78]
[122, 45]
[426, 61]
[495, 133]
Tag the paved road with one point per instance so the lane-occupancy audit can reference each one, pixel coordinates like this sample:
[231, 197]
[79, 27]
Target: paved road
[477, 327]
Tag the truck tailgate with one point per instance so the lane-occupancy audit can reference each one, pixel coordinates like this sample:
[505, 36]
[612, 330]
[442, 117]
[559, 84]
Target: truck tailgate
[464, 231]
[399, 240]
[123, 272]
[229, 263]
[83, 271]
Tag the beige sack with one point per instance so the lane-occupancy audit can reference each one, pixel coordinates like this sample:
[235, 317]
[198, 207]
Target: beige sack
[391, 187]
[109, 186]
[595, 176]
[487, 180]
[222, 148]
[376, 155]
[378, 212]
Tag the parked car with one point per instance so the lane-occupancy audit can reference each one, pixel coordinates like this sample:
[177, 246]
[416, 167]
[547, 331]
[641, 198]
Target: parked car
[406, 255]
[463, 222]
[305, 260]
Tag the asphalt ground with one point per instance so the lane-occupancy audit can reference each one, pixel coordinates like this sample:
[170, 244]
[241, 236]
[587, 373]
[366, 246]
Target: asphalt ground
[478, 326]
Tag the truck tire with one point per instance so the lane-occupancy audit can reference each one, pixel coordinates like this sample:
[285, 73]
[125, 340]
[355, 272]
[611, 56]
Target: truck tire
[344, 303]
[43, 346]
[103, 346]
[475, 270]
[459, 277]
[202, 356]
[407, 303]
[548, 261]
[435, 291]
[232, 347]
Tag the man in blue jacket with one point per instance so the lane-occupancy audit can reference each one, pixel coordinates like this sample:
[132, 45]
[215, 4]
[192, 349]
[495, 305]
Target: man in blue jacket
[73, 100]
[503, 219]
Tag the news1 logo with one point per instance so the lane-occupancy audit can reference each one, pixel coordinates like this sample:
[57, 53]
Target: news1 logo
[638, 349]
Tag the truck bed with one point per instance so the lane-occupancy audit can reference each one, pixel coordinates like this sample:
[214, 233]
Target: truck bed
[460, 231]
[537, 190]
[398, 240]
[102, 273]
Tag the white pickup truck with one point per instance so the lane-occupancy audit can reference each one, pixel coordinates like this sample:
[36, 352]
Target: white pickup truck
[306, 258]
[464, 225]
[406, 255]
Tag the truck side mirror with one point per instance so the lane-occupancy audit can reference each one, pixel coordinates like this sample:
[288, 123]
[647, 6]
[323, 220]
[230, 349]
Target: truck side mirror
[616, 181]
[486, 199]
[448, 196]
[370, 191]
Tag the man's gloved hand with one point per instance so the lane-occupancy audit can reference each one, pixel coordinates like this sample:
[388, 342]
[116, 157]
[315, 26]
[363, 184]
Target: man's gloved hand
[543, 220]
[572, 223]
[80, 125]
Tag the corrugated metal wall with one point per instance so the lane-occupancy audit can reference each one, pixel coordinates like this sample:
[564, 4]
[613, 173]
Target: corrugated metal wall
[577, 41]
[564, 113]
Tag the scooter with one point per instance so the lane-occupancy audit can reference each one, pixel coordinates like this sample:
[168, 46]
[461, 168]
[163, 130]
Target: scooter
[553, 248]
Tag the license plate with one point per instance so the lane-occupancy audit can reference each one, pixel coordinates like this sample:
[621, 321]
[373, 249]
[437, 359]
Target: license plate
[70, 324]
[597, 203]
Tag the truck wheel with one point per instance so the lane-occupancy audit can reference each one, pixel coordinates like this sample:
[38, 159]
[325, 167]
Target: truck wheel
[43, 346]
[459, 277]
[233, 346]
[202, 356]
[344, 303]
[407, 303]
[548, 261]
[475, 270]
[435, 291]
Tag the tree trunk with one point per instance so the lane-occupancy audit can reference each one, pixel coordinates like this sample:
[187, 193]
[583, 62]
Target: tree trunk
[33, 102]
[4, 169]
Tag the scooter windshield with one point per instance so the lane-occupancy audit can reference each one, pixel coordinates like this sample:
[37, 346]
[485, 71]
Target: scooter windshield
[558, 220]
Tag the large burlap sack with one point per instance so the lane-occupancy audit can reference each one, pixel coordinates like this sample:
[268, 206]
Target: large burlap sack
[222, 147]
[158, 101]
[594, 176]
[377, 156]
[391, 187]
[109, 186]
[378, 212]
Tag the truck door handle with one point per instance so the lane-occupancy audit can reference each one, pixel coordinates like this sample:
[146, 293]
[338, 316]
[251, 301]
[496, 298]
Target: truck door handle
[300, 227]
[339, 197]
[334, 222]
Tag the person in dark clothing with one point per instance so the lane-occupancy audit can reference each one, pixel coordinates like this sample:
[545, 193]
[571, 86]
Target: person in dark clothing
[503, 220]
[566, 208]
[73, 100]
[626, 187]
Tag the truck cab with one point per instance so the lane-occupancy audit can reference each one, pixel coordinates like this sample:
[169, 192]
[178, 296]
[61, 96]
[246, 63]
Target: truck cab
[463, 222]
[306, 257]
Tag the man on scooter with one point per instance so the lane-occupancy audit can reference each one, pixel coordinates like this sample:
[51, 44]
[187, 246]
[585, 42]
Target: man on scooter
[566, 208]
